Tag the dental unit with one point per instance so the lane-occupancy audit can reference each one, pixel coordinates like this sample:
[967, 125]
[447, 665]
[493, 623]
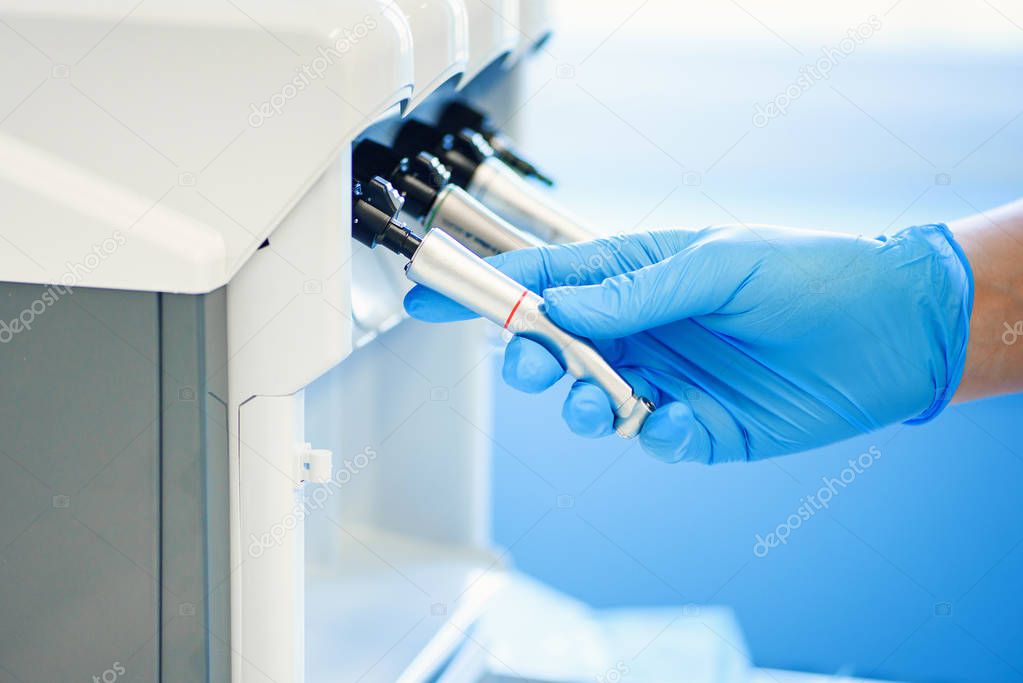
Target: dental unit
[244, 463]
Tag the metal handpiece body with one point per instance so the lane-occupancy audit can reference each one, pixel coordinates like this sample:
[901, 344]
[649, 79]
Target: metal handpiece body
[475, 226]
[444, 265]
[523, 204]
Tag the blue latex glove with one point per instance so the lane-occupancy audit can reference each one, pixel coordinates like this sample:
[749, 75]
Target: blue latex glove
[752, 341]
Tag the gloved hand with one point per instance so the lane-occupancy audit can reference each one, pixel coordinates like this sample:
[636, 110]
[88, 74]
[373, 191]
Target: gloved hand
[752, 341]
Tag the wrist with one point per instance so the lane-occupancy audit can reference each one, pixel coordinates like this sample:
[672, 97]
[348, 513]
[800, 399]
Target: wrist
[992, 243]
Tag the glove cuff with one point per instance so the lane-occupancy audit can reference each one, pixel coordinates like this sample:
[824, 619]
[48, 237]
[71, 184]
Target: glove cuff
[957, 292]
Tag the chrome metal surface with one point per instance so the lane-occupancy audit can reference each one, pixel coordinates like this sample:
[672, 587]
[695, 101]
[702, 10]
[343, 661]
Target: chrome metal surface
[524, 205]
[444, 265]
[475, 226]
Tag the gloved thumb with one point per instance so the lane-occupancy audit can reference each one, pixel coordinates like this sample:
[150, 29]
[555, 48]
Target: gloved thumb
[688, 284]
[673, 434]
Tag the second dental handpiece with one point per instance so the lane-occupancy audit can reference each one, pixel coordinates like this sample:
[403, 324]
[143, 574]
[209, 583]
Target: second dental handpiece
[458, 116]
[439, 262]
[475, 167]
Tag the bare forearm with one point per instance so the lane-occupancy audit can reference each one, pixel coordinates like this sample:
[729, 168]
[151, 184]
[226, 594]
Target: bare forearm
[993, 242]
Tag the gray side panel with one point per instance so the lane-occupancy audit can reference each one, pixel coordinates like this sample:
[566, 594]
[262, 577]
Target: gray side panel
[196, 629]
[79, 484]
[217, 507]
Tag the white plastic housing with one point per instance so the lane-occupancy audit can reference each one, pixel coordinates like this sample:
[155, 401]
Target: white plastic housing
[267, 579]
[160, 144]
[492, 34]
[289, 320]
[440, 35]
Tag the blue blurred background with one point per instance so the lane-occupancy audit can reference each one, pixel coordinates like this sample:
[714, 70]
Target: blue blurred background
[644, 112]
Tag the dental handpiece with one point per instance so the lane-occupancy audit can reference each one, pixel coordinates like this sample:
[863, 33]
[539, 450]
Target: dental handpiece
[505, 192]
[424, 184]
[458, 116]
[439, 262]
[475, 167]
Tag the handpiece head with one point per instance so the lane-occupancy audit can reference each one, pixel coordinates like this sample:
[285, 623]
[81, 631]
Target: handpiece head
[462, 151]
[375, 208]
[379, 194]
[418, 178]
[426, 168]
[371, 158]
[459, 115]
[416, 136]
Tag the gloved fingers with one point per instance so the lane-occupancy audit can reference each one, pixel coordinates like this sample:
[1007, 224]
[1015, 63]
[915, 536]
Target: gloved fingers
[590, 413]
[534, 268]
[587, 410]
[529, 367]
[539, 268]
[583, 263]
[695, 282]
[423, 303]
[726, 441]
[674, 434]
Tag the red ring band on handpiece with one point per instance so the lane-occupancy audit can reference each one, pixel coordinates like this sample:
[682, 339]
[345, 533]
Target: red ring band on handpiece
[515, 308]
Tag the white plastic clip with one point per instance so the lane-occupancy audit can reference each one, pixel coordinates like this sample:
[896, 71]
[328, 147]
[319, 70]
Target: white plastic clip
[315, 464]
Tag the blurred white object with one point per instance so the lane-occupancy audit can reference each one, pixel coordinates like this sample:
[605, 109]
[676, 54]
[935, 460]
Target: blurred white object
[532, 633]
[946, 25]
[776, 676]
